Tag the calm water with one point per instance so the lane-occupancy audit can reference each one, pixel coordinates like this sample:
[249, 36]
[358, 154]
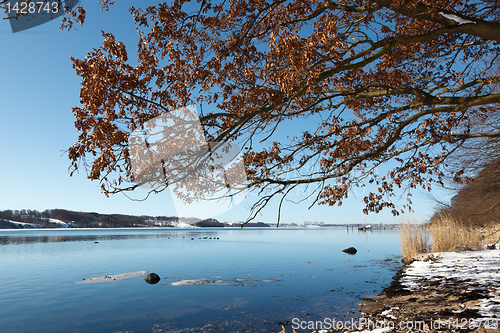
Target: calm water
[269, 276]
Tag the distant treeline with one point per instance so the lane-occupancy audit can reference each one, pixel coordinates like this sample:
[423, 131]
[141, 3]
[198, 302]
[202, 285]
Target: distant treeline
[48, 219]
[84, 220]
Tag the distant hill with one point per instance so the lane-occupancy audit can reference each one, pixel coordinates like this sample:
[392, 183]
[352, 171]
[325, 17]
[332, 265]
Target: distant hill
[62, 218]
[257, 225]
[213, 223]
[209, 223]
[57, 218]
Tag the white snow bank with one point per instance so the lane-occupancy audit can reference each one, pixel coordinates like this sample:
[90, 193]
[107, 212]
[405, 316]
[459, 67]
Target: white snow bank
[184, 225]
[56, 221]
[22, 223]
[36, 225]
[387, 313]
[471, 270]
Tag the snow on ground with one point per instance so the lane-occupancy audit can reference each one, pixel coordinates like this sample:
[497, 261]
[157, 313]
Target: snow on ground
[56, 221]
[387, 313]
[377, 330]
[183, 225]
[33, 225]
[470, 269]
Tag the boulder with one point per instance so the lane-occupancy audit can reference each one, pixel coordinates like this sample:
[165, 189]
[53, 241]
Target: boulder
[350, 250]
[152, 278]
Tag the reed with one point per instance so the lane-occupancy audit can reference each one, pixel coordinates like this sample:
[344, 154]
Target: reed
[491, 234]
[452, 235]
[414, 240]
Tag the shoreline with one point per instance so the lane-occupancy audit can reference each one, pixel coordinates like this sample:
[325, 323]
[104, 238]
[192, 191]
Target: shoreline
[441, 292]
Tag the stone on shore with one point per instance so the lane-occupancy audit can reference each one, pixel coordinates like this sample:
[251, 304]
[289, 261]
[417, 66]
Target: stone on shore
[152, 278]
[350, 250]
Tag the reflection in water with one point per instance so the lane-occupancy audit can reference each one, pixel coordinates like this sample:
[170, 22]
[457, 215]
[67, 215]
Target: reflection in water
[18, 239]
[250, 280]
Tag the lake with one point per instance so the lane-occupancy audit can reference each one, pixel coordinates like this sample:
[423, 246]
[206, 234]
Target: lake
[220, 280]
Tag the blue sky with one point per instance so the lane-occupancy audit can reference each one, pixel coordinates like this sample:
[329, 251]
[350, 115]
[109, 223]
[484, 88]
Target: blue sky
[39, 89]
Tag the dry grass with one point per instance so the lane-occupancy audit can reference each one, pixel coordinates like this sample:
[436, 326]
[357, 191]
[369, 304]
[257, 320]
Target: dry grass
[446, 234]
[491, 235]
[451, 235]
[414, 240]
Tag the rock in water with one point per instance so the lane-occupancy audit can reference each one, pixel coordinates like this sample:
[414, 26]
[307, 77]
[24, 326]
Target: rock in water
[152, 278]
[350, 250]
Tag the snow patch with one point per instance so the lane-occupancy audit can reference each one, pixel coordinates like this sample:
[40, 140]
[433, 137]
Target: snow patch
[184, 225]
[387, 314]
[56, 221]
[472, 270]
[24, 224]
[377, 330]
